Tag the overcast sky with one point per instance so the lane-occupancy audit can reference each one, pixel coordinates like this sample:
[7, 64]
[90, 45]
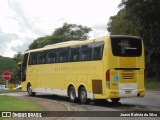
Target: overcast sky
[22, 21]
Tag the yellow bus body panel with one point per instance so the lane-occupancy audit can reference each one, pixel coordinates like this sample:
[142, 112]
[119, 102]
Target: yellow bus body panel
[56, 78]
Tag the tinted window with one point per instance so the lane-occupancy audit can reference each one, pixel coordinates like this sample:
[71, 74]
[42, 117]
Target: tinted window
[42, 57]
[74, 53]
[63, 55]
[127, 47]
[25, 59]
[24, 67]
[97, 50]
[85, 53]
[51, 56]
[33, 58]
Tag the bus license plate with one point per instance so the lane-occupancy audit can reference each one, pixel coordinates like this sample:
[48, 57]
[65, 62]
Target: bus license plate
[128, 92]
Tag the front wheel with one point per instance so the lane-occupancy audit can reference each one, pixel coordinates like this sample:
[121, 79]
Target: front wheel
[115, 100]
[83, 95]
[29, 90]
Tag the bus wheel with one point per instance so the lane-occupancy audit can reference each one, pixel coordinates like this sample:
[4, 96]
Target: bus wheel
[29, 90]
[115, 100]
[83, 95]
[72, 94]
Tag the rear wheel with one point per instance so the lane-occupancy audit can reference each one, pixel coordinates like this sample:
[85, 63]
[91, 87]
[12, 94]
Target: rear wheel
[83, 95]
[115, 100]
[29, 90]
[72, 94]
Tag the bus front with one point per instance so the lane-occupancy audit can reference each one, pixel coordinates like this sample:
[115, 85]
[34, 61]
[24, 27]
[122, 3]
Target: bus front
[125, 67]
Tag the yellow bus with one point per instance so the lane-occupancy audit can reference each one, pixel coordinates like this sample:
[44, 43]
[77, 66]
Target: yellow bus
[109, 67]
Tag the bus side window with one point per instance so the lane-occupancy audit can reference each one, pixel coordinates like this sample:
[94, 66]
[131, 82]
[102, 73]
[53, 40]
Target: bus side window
[97, 50]
[33, 58]
[74, 53]
[42, 57]
[85, 53]
[51, 56]
[63, 55]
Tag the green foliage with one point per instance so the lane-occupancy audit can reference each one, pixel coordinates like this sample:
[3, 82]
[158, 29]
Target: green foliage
[6, 64]
[122, 25]
[72, 32]
[18, 57]
[147, 12]
[9, 91]
[9, 64]
[152, 85]
[65, 33]
[40, 42]
[9, 103]
[141, 18]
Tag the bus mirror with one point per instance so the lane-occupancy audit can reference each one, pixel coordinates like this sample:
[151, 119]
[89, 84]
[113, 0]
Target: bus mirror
[19, 68]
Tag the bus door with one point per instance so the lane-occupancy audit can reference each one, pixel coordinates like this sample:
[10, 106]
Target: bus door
[19, 69]
[24, 67]
[24, 71]
[32, 69]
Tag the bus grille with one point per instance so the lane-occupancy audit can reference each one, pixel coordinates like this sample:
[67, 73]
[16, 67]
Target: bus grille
[128, 76]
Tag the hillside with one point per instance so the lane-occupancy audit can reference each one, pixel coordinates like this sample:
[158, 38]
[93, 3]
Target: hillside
[6, 64]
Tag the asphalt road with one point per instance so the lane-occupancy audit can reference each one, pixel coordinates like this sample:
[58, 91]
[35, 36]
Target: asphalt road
[151, 102]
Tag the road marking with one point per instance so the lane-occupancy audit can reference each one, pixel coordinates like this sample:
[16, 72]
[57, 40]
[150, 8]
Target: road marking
[68, 108]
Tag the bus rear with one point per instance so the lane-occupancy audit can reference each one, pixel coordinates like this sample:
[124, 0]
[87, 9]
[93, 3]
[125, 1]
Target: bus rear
[125, 67]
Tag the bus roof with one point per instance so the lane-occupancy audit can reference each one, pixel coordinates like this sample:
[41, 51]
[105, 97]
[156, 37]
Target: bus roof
[76, 42]
[65, 44]
[124, 36]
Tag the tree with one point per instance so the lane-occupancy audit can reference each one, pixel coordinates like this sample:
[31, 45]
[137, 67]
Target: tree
[147, 12]
[122, 25]
[65, 33]
[18, 57]
[72, 32]
[141, 17]
[6, 64]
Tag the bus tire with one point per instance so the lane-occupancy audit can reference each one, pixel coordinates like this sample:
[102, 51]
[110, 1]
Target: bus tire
[83, 95]
[72, 94]
[115, 100]
[29, 90]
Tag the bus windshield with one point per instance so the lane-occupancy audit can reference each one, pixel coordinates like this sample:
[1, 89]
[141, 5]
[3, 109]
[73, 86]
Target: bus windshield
[126, 47]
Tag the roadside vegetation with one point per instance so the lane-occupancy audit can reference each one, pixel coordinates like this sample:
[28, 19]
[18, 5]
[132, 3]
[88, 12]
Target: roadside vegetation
[10, 103]
[10, 91]
[137, 17]
[152, 85]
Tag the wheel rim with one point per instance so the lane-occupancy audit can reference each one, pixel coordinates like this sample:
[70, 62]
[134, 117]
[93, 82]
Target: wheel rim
[72, 95]
[30, 90]
[83, 96]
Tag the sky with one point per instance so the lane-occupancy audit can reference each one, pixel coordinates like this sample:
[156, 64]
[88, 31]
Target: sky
[23, 21]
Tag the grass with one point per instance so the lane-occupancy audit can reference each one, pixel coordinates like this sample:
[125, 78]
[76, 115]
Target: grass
[10, 91]
[152, 85]
[10, 103]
